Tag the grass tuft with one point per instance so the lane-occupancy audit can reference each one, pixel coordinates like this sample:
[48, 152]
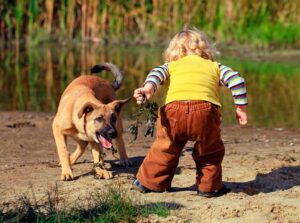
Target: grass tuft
[112, 205]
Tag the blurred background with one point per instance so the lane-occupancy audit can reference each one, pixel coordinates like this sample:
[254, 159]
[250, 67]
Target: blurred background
[45, 44]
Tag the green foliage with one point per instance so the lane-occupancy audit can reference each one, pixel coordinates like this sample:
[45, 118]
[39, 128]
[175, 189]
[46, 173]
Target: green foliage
[262, 23]
[19, 11]
[33, 10]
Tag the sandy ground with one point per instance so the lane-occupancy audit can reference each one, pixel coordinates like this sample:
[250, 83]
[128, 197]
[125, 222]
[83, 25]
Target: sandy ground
[261, 166]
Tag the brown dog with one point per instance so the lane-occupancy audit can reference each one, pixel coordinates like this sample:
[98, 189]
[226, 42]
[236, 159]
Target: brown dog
[89, 113]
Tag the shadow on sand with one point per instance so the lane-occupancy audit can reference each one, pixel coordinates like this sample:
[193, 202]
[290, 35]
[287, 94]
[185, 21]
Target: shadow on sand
[282, 178]
[132, 169]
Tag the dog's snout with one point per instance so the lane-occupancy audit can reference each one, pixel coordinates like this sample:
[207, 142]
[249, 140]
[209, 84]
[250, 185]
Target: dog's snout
[112, 133]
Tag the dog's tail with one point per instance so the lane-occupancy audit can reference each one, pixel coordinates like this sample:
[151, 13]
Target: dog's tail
[118, 74]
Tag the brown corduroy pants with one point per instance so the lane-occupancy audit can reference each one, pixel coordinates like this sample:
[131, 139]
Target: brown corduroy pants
[177, 123]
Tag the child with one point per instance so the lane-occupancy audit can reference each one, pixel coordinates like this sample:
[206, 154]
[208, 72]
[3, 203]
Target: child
[190, 113]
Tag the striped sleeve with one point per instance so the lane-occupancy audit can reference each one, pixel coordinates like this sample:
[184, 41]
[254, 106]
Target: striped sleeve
[157, 75]
[233, 80]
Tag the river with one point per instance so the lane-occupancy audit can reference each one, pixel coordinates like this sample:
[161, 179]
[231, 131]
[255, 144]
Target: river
[33, 79]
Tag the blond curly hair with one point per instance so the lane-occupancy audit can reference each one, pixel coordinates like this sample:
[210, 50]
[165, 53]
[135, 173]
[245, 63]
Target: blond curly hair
[190, 41]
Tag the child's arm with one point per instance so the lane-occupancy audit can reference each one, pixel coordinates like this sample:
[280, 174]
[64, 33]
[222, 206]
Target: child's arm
[232, 80]
[155, 77]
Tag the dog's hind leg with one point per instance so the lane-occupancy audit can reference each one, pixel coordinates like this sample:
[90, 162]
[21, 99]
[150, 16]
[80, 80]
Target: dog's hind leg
[64, 157]
[99, 168]
[81, 145]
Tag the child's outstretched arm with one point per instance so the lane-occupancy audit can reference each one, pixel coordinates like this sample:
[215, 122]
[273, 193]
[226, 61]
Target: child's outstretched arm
[156, 77]
[232, 80]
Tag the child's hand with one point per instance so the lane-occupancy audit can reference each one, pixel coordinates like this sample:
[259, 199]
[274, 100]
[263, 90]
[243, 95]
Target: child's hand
[147, 90]
[241, 114]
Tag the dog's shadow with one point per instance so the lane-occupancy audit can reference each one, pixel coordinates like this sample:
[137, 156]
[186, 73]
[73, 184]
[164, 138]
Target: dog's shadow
[135, 163]
[282, 178]
[133, 168]
[115, 167]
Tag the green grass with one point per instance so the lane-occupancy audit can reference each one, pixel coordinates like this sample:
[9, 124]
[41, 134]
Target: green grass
[113, 205]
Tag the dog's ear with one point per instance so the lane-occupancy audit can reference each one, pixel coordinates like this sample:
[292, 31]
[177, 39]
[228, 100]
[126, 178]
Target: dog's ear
[118, 104]
[86, 108]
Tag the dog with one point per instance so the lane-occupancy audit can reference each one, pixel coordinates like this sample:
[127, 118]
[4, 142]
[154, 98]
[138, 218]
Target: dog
[89, 113]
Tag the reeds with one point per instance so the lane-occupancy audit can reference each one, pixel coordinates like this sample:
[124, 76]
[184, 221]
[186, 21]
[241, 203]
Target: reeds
[261, 23]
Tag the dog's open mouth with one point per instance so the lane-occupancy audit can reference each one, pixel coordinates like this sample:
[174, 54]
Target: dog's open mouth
[105, 141]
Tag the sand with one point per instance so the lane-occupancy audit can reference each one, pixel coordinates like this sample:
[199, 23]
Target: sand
[261, 166]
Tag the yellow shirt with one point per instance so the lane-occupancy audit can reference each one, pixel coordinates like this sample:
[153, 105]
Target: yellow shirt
[192, 78]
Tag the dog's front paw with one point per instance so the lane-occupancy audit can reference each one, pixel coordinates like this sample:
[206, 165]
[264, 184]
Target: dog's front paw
[124, 162]
[101, 173]
[67, 174]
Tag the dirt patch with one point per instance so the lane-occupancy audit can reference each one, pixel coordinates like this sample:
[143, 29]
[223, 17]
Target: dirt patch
[261, 166]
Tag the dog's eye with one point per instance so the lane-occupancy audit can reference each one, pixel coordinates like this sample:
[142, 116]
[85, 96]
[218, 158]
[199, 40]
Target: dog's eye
[88, 109]
[113, 118]
[99, 119]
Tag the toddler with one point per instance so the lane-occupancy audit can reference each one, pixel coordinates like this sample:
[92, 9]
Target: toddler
[190, 112]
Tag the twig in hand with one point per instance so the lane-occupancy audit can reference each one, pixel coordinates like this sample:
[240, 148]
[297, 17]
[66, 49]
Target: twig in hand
[151, 119]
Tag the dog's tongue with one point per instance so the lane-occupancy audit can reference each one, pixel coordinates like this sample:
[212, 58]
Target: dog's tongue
[105, 143]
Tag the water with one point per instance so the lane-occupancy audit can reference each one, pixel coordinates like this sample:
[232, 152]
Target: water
[33, 80]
